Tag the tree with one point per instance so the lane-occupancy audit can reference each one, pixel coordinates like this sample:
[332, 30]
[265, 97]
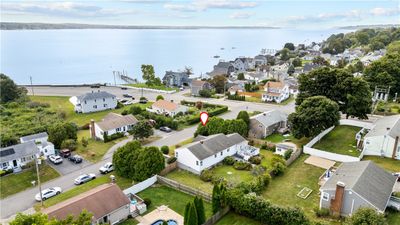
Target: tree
[216, 199]
[243, 115]
[150, 162]
[240, 76]
[124, 158]
[205, 93]
[84, 142]
[135, 110]
[148, 74]
[191, 218]
[69, 144]
[84, 218]
[201, 215]
[186, 214]
[60, 132]
[188, 70]
[366, 216]
[199, 105]
[296, 62]
[341, 63]
[142, 130]
[9, 90]
[362, 37]
[218, 83]
[289, 46]
[318, 60]
[159, 97]
[285, 54]
[314, 115]
[165, 149]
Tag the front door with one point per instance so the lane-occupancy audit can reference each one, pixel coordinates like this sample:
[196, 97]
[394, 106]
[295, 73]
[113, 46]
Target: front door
[15, 163]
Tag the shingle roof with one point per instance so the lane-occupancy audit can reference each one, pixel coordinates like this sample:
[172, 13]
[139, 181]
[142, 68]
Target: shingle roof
[95, 95]
[18, 151]
[213, 144]
[113, 121]
[389, 125]
[34, 137]
[270, 117]
[366, 179]
[100, 201]
[198, 83]
[164, 104]
[273, 84]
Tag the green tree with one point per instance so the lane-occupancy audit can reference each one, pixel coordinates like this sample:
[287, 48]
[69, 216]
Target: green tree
[297, 62]
[84, 218]
[159, 97]
[240, 76]
[205, 93]
[186, 214]
[291, 69]
[393, 47]
[142, 130]
[314, 115]
[289, 46]
[84, 142]
[201, 215]
[165, 149]
[192, 215]
[124, 158]
[362, 38]
[69, 144]
[285, 54]
[234, 126]
[148, 74]
[135, 110]
[216, 199]
[243, 115]
[60, 132]
[318, 60]
[366, 216]
[219, 82]
[150, 162]
[9, 90]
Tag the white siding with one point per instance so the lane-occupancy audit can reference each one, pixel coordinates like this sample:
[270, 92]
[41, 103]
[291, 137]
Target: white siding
[95, 105]
[379, 145]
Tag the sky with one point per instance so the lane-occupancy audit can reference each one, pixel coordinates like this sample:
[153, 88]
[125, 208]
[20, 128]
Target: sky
[285, 13]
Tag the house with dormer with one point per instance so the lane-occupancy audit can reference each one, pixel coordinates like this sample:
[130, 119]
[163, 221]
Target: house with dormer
[275, 92]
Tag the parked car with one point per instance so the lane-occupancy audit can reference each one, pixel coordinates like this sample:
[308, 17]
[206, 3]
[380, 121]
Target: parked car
[127, 96]
[108, 167]
[166, 129]
[48, 193]
[84, 178]
[181, 88]
[143, 100]
[75, 159]
[397, 175]
[124, 88]
[65, 153]
[56, 159]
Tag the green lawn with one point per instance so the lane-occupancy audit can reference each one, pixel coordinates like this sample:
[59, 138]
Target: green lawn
[123, 183]
[235, 219]
[180, 144]
[190, 179]
[14, 183]
[276, 138]
[393, 218]
[130, 221]
[157, 87]
[340, 140]
[175, 200]
[267, 160]
[232, 175]
[388, 164]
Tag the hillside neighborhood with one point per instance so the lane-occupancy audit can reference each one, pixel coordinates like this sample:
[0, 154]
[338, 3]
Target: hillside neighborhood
[308, 134]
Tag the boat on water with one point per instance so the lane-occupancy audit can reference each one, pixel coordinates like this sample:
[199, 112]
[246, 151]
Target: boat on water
[216, 56]
[222, 48]
[233, 47]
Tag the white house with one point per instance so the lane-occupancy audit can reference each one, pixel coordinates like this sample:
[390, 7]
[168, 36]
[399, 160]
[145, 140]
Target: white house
[45, 147]
[235, 89]
[112, 123]
[275, 92]
[94, 101]
[15, 156]
[168, 108]
[383, 138]
[282, 148]
[255, 76]
[208, 151]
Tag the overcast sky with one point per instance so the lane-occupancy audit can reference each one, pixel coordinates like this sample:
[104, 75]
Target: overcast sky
[294, 14]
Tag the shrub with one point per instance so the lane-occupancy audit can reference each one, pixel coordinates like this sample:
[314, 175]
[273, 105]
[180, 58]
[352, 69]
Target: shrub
[287, 154]
[240, 165]
[86, 126]
[108, 138]
[258, 170]
[323, 212]
[205, 93]
[125, 112]
[135, 110]
[229, 160]
[255, 160]
[84, 142]
[278, 168]
[147, 201]
[206, 175]
[263, 146]
[159, 97]
[236, 97]
[165, 150]
[199, 105]
[171, 160]
[69, 144]
[119, 105]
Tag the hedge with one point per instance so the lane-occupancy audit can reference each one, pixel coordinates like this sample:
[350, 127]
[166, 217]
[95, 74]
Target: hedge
[112, 137]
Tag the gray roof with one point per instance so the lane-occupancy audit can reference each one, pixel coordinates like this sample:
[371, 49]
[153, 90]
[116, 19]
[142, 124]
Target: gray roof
[389, 125]
[33, 137]
[18, 151]
[270, 117]
[95, 95]
[113, 121]
[371, 182]
[213, 144]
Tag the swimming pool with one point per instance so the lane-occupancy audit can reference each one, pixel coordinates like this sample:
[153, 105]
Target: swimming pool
[160, 222]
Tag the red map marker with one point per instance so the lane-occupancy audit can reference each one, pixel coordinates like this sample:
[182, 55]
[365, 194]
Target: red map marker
[204, 118]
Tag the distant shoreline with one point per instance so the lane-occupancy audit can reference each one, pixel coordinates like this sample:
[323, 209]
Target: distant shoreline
[63, 26]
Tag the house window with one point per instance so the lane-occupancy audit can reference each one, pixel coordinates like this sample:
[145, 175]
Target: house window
[325, 196]
[5, 164]
[23, 159]
[95, 100]
[222, 153]
[215, 156]
[118, 129]
[201, 163]
[227, 150]
[104, 99]
[105, 105]
[176, 154]
[197, 163]
[95, 106]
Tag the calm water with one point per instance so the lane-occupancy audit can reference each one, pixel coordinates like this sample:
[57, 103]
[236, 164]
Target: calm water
[88, 56]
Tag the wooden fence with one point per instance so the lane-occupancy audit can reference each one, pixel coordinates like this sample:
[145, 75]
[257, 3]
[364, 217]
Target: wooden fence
[217, 216]
[294, 156]
[183, 188]
[169, 168]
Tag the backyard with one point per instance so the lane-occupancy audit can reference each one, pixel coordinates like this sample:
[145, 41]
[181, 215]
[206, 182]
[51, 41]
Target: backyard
[341, 140]
[14, 183]
[190, 179]
[391, 165]
[276, 138]
[235, 219]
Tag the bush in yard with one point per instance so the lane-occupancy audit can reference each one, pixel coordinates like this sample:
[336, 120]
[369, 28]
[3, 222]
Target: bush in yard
[255, 160]
[190, 217]
[171, 160]
[84, 142]
[141, 130]
[164, 223]
[69, 144]
[147, 201]
[199, 105]
[206, 175]
[113, 136]
[84, 218]
[240, 165]
[229, 160]
[135, 110]
[205, 93]
[125, 112]
[119, 105]
[165, 150]
[278, 168]
[150, 161]
[287, 154]
[199, 205]
[258, 170]
[366, 216]
[159, 97]
[323, 212]
[263, 146]
[124, 158]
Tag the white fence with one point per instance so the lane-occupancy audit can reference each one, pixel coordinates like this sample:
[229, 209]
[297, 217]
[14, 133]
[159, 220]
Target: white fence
[148, 89]
[333, 156]
[141, 186]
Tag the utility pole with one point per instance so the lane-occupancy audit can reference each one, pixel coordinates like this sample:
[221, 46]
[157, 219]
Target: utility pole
[38, 178]
[115, 83]
[33, 93]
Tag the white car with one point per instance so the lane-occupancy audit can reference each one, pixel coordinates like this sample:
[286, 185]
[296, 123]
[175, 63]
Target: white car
[48, 193]
[108, 167]
[84, 178]
[56, 159]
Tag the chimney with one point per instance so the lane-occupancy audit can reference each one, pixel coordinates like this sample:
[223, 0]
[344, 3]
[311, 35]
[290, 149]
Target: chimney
[92, 129]
[172, 100]
[98, 90]
[337, 202]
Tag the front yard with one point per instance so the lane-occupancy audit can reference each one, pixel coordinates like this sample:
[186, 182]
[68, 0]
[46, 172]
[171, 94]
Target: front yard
[341, 140]
[14, 183]
[156, 87]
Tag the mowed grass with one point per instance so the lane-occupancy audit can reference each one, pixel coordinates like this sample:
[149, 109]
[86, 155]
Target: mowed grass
[276, 138]
[191, 180]
[232, 175]
[175, 200]
[123, 183]
[391, 165]
[14, 183]
[157, 87]
[393, 217]
[340, 140]
[235, 219]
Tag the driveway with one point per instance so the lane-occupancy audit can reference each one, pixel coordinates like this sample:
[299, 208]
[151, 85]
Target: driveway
[67, 166]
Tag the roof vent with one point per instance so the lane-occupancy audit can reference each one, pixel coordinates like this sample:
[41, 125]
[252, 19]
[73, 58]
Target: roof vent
[387, 128]
[201, 142]
[341, 184]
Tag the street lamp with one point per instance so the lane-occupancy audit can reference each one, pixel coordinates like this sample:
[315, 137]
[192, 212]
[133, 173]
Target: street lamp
[37, 162]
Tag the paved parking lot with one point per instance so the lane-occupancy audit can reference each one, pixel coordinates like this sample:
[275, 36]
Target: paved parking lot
[67, 166]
